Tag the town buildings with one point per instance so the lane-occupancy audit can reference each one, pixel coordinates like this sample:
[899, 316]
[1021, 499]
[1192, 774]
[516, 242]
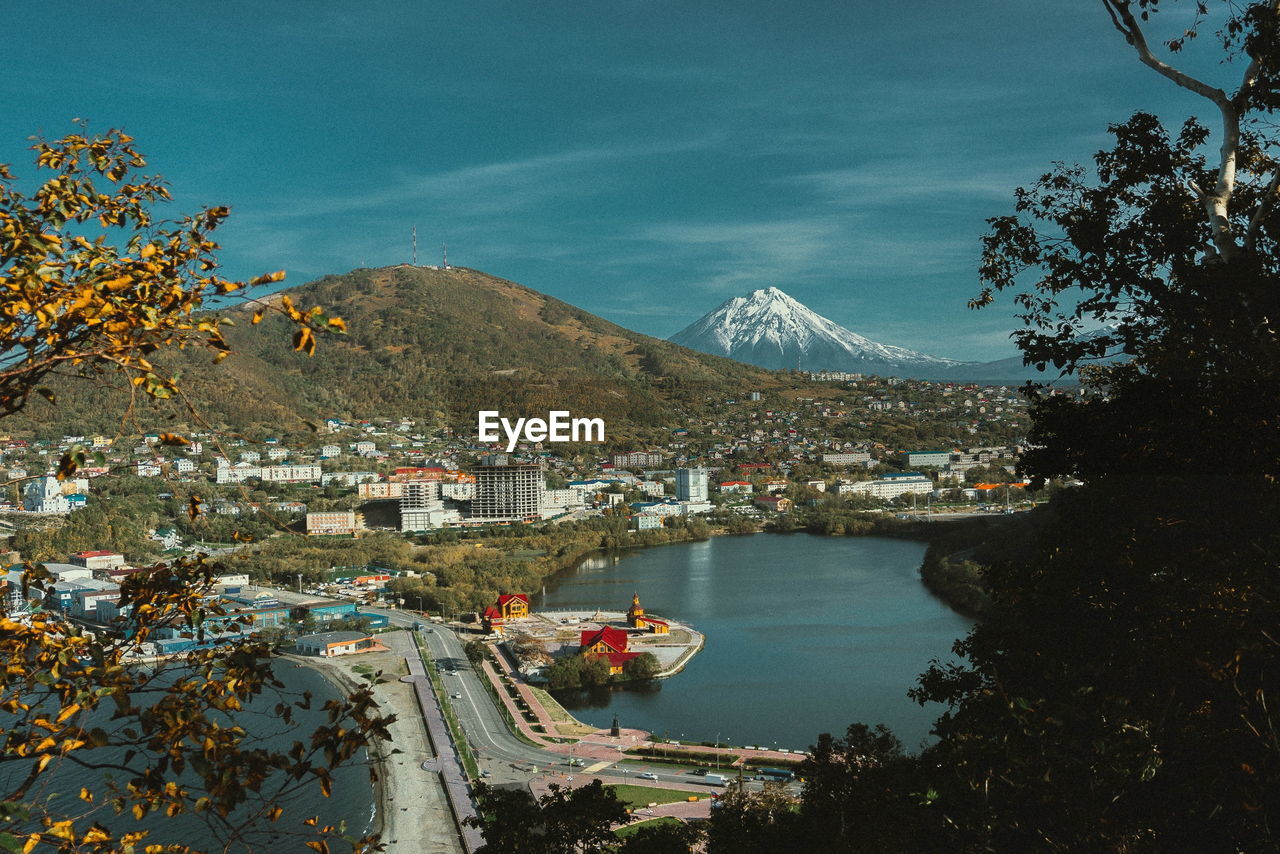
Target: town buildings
[691, 485]
[334, 523]
[507, 492]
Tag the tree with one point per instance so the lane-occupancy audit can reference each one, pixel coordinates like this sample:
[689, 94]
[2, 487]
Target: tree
[678, 838]
[642, 668]
[81, 304]
[1116, 696]
[475, 651]
[563, 821]
[861, 793]
[104, 303]
[565, 673]
[761, 822]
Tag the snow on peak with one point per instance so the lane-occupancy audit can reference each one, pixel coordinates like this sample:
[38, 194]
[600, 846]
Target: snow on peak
[771, 329]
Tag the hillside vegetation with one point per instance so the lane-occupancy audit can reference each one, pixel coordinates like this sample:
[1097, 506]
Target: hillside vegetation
[434, 345]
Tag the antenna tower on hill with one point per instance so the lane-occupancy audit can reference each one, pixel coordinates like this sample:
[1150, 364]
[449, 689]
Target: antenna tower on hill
[415, 246]
[445, 249]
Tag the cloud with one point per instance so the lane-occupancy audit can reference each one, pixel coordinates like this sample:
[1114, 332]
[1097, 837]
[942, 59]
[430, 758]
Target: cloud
[488, 188]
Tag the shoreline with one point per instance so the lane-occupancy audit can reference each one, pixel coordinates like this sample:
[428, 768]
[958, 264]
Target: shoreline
[344, 685]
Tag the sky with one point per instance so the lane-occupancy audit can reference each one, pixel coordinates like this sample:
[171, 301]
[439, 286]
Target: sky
[642, 159]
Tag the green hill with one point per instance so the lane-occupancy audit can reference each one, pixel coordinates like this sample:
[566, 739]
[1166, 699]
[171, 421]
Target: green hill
[434, 345]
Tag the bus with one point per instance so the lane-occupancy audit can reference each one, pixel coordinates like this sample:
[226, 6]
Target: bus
[775, 775]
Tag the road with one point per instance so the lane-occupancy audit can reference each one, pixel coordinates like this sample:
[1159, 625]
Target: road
[496, 747]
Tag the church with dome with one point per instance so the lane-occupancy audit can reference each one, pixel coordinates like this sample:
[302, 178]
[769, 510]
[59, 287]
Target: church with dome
[636, 619]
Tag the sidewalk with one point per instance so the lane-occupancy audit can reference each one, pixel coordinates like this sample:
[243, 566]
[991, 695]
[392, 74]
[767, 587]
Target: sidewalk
[447, 762]
[601, 745]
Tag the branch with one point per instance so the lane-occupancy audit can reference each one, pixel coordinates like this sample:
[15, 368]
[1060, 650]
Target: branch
[1123, 20]
[1251, 74]
[1255, 224]
[1216, 203]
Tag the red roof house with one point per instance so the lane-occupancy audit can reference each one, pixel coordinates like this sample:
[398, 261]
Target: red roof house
[605, 639]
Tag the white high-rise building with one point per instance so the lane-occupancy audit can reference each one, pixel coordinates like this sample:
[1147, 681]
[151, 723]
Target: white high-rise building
[507, 492]
[691, 485]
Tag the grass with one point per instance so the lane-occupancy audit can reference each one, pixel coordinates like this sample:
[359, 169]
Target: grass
[631, 829]
[566, 724]
[640, 796]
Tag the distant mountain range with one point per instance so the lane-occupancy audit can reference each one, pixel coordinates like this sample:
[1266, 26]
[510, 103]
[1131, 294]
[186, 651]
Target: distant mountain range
[440, 345]
[770, 329]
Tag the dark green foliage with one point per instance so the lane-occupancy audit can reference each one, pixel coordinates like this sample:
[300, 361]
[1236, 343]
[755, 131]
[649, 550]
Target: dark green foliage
[1117, 691]
[861, 794]
[641, 668]
[117, 525]
[563, 821]
[1116, 696]
[663, 839]
[578, 671]
[762, 822]
[475, 651]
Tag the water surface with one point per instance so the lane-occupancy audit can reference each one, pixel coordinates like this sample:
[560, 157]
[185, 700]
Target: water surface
[805, 634]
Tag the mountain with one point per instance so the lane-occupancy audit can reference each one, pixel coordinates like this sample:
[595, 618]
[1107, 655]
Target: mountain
[770, 329]
[430, 344]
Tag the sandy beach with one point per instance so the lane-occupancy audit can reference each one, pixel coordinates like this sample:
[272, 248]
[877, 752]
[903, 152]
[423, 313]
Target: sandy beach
[412, 813]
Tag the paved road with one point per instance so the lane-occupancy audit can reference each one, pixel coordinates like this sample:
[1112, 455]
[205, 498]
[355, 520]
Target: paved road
[496, 747]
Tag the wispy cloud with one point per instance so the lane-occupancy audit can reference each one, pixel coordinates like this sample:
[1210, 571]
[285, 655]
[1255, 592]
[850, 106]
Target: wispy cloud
[486, 188]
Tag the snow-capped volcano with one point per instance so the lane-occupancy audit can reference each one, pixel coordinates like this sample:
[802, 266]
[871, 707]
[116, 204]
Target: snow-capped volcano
[770, 329]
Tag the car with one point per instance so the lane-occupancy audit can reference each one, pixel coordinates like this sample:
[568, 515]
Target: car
[646, 775]
[457, 696]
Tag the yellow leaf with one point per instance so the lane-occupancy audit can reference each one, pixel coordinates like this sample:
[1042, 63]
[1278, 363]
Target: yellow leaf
[148, 251]
[338, 323]
[304, 339]
[68, 712]
[86, 795]
[277, 276]
[257, 315]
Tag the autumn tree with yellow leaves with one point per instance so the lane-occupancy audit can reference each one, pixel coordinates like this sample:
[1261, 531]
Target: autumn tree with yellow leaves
[94, 285]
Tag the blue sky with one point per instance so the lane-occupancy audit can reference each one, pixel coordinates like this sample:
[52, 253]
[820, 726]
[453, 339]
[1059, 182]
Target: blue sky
[644, 160]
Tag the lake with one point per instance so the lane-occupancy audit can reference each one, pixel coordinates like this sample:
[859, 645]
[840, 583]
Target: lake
[351, 802]
[804, 634]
